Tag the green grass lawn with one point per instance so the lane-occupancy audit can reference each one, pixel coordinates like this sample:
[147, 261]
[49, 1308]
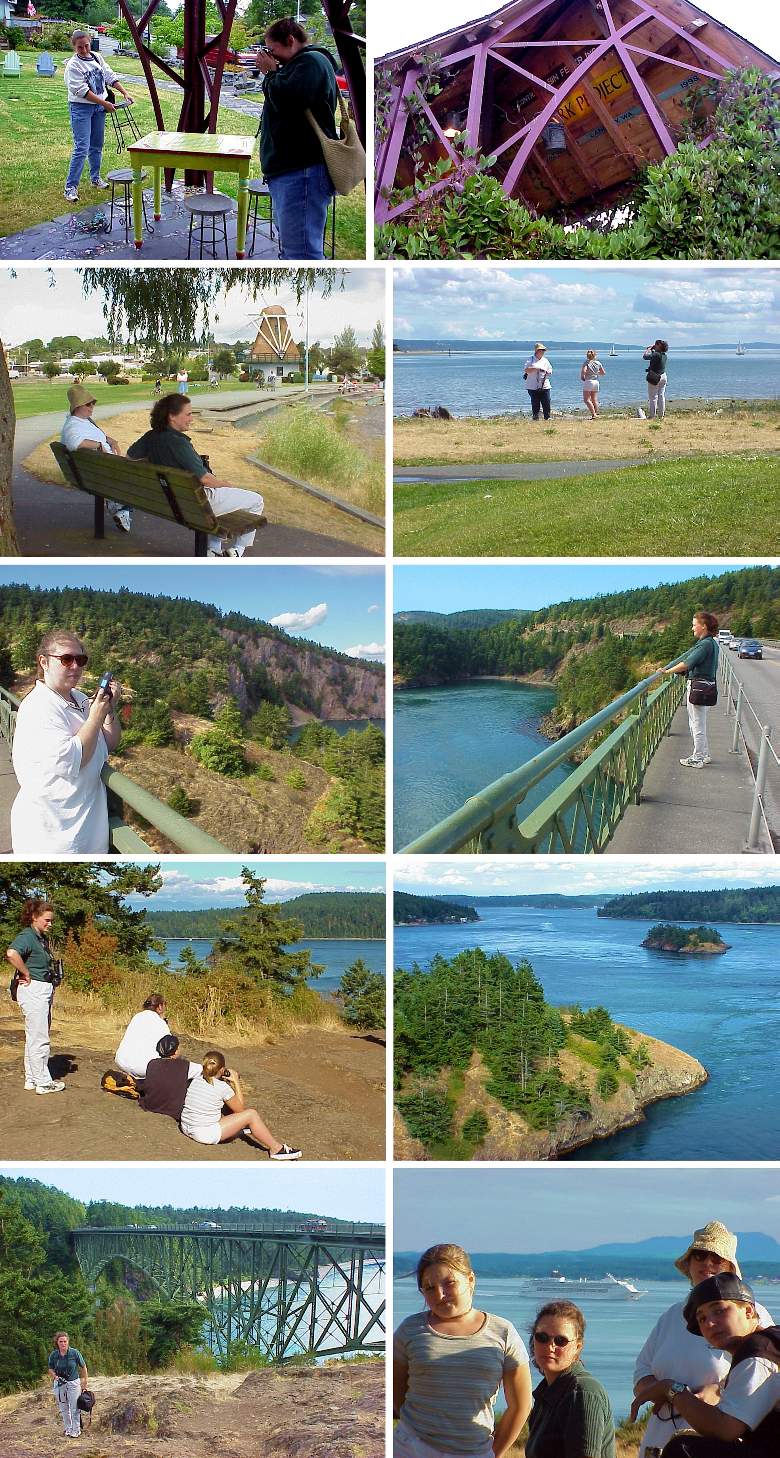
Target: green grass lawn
[37, 143]
[711, 506]
[37, 397]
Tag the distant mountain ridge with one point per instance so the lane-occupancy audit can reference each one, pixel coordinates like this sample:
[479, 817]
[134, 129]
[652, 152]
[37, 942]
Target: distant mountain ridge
[484, 346]
[654, 1257]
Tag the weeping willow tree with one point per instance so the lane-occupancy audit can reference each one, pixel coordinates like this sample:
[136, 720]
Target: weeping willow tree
[157, 307]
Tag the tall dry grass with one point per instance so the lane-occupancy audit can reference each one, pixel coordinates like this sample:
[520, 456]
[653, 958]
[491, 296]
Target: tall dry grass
[310, 445]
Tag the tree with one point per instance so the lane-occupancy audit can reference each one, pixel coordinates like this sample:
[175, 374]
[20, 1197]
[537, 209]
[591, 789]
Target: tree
[52, 369]
[180, 801]
[258, 945]
[271, 725]
[35, 1301]
[224, 362]
[376, 358]
[219, 752]
[362, 996]
[170, 1325]
[81, 892]
[344, 356]
[108, 368]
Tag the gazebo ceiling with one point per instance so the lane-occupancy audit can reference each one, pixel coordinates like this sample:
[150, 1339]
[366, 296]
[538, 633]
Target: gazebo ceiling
[611, 76]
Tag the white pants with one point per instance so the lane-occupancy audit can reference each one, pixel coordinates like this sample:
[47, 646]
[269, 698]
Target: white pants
[406, 1444]
[67, 1395]
[656, 399]
[34, 999]
[697, 722]
[225, 499]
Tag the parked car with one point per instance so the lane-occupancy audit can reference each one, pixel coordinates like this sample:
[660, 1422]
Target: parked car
[750, 648]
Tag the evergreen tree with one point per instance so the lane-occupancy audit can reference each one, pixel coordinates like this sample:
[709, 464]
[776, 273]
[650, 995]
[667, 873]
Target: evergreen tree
[257, 946]
[170, 1325]
[376, 357]
[34, 1301]
[362, 996]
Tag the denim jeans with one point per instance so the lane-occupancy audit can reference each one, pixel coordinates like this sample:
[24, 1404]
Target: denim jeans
[301, 201]
[88, 124]
[540, 398]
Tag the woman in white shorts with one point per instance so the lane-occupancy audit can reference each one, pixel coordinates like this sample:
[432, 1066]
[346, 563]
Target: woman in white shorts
[590, 373]
[202, 1118]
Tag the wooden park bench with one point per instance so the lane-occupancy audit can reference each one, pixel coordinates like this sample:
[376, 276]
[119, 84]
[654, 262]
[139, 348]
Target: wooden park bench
[164, 491]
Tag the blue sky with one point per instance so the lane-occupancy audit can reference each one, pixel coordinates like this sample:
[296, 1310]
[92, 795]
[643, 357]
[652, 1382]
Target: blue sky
[453, 589]
[580, 875]
[218, 883]
[30, 311]
[560, 1207]
[346, 1192]
[342, 607]
[406, 21]
[632, 304]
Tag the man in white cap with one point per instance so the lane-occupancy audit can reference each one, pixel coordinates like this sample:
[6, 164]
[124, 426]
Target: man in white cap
[79, 432]
[536, 373]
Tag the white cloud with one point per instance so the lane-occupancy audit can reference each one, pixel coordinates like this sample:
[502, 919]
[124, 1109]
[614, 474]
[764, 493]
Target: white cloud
[367, 650]
[302, 621]
[374, 607]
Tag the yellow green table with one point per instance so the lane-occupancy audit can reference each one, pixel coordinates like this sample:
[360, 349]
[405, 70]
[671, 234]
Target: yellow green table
[198, 152]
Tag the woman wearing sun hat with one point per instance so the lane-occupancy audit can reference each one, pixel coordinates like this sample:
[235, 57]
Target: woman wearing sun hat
[536, 373]
[79, 431]
[671, 1353]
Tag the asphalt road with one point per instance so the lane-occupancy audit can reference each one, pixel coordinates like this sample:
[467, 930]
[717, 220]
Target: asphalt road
[761, 683]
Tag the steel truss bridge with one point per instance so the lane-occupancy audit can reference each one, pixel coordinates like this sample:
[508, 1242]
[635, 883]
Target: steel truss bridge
[284, 1292]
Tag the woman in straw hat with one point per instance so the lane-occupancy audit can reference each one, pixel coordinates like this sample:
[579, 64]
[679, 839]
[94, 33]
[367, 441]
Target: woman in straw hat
[671, 1353]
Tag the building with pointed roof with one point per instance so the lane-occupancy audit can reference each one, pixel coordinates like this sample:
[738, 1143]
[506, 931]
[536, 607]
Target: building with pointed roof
[274, 353]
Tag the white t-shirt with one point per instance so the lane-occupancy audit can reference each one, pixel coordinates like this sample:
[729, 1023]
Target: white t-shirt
[91, 74]
[752, 1391]
[539, 371]
[139, 1044]
[672, 1353]
[204, 1102]
[61, 805]
[75, 429]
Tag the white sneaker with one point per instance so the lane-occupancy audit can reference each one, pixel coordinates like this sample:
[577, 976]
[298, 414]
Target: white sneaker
[124, 519]
[691, 763]
[71, 194]
[100, 182]
[29, 1086]
[54, 1087]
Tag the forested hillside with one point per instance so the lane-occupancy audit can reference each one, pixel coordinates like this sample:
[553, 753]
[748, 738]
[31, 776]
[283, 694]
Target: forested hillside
[751, 904]
[592, 648]
[409, 909]
[320, 913]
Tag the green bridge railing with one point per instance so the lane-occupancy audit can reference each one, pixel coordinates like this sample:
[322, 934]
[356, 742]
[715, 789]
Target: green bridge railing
[125, 792]
[582, 813]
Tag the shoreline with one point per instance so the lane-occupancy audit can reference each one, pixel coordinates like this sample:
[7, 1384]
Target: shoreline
[685, 405]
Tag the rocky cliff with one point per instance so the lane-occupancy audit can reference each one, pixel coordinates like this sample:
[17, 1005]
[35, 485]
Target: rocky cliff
[327, 687]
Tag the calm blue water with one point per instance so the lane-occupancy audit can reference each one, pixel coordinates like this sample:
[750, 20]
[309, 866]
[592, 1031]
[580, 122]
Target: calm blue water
[335, 956]
[341, 726]
[327, 1334]
[491, 383]
[616, 1328]
[450, 742]
[722, 1010]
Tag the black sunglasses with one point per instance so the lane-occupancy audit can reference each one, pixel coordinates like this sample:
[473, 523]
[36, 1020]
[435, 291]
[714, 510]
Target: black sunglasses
[68, 659]
[544, 1338]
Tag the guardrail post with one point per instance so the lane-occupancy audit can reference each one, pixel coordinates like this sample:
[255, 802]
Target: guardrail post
[640, 760]
[758, 789]
[737, 722]
[728, 676]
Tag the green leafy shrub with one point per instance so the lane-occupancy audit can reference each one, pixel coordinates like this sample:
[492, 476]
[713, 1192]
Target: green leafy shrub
[180, 801]
[296, 779]
[219, 752]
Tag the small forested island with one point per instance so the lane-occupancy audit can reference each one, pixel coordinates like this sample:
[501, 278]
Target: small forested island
[747, 905]
[697, 941]
[410, 910]
[486, 1068]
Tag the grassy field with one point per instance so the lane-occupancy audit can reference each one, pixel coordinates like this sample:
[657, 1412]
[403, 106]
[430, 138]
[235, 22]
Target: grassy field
[38, 397]
[723, 429]
[35, 127]
[717, 505]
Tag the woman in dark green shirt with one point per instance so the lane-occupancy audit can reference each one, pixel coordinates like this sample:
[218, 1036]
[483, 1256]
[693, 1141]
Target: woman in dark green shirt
[571, 1416]
[31, 957]
[701, 663]
[69, 1375]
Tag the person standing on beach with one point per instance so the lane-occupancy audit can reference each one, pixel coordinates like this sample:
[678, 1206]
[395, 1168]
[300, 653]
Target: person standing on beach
[590, 373]
[655, 354]
[536, 373]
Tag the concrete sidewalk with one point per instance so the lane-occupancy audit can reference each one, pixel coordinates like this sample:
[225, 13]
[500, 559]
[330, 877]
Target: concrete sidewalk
[689, 811]
[8, 793]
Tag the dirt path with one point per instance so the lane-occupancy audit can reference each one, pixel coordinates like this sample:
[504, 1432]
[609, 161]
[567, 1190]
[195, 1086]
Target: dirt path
[322, 1091]
[336, 1411]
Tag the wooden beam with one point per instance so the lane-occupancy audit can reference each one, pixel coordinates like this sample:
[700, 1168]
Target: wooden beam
[538, 161]
[475, 96]
[604, 115]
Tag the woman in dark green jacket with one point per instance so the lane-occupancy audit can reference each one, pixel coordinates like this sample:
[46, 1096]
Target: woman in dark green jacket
[702, 664]
[571, 1416]
[298, 77]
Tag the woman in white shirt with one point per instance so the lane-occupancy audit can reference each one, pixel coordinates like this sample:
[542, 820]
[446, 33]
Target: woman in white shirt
[202, 1118]
[536, 373]
[671, 1353]
[591, 372]
[61, 743]
[142, 1034]
[87, 78]
[79, 432]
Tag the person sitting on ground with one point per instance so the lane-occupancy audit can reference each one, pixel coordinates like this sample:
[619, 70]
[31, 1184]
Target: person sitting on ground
[202, 1118]
[167, 444]
[79, 432]
[167, 1078]
[141, 1036]
[722, 1310]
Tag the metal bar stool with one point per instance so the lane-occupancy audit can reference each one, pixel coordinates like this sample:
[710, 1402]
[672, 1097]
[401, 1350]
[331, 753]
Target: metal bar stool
[123, 177]
[207, 207]
[257, 189]
[125, 125]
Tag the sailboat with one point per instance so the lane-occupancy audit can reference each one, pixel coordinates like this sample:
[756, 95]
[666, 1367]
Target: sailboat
[741, 348]
[613, 353]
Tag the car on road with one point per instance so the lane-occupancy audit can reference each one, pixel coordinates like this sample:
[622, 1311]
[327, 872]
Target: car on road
[733, 643]
[750, 648]
[724, 635]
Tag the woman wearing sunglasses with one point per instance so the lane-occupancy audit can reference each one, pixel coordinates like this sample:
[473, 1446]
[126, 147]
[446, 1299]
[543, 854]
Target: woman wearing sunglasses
[571, 1416]
[61, 743]
[449, 1361]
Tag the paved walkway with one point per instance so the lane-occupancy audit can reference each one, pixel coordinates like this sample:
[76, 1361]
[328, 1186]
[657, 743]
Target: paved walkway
[687, 811]
[53, 521]
[8, 789]
[508, 471]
